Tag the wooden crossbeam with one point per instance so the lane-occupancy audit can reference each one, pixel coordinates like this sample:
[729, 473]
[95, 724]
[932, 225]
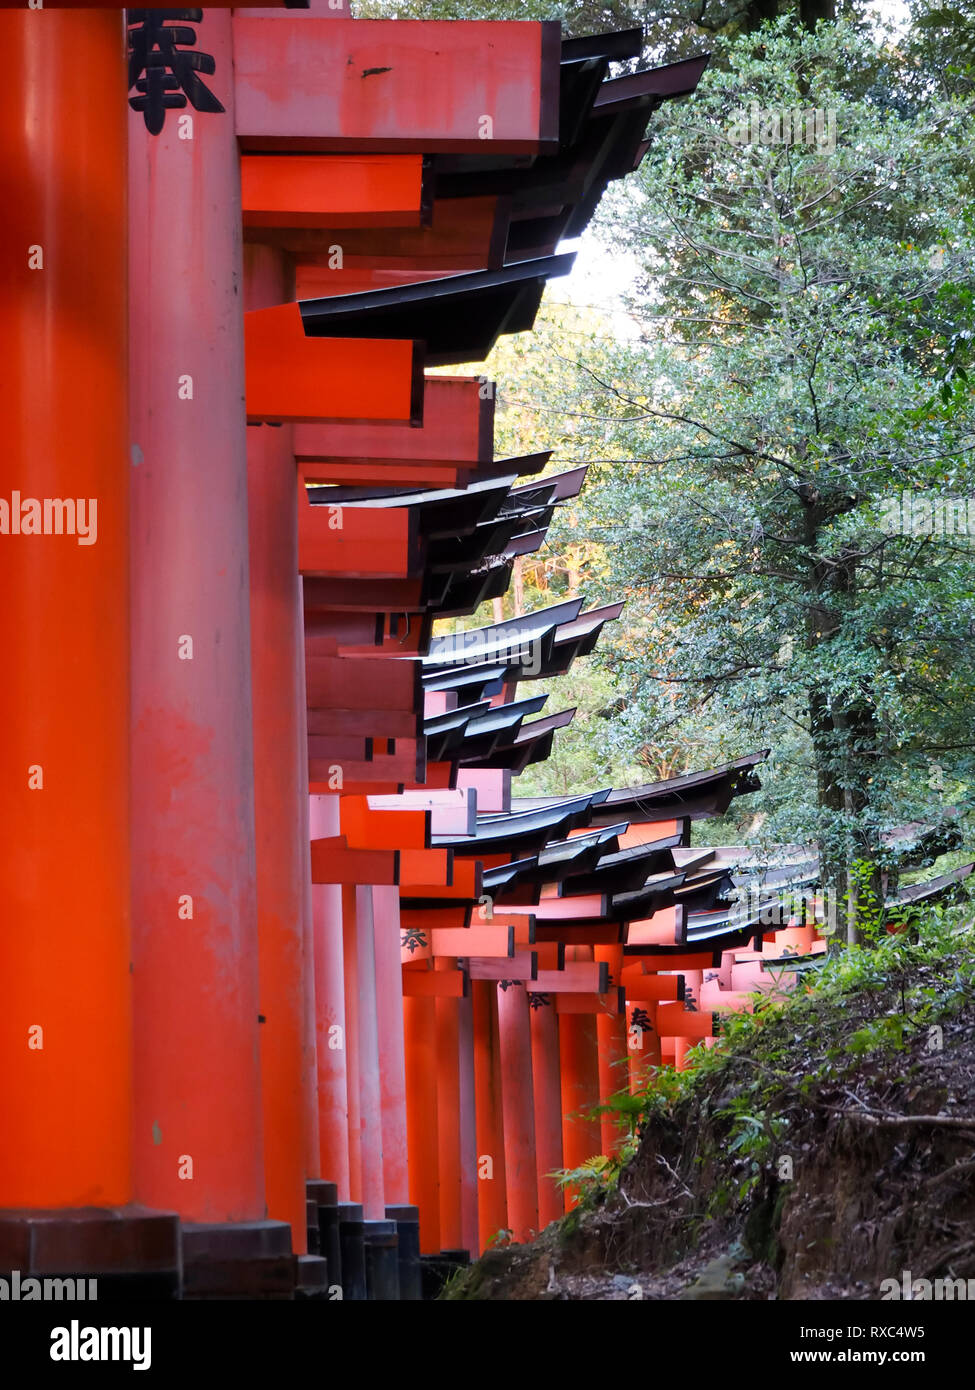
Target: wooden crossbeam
[424, 872]
[674, 1021]
[457, 427]
[436, 984]
[396, 86]
[368, 829]
[290, 377]
[577, 977]
[523, 965]
[332, 681]
[333, 191]
[612, 1002]
[463, 234]
[332, 861]
[475, 940]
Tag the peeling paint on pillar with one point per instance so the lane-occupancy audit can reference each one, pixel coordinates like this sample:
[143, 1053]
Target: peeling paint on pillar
[195, 980]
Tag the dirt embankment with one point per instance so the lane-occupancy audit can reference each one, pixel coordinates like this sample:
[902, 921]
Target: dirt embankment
[830, 1146]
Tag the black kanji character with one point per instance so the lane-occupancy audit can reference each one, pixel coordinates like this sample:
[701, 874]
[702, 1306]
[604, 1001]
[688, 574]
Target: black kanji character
[170, 78]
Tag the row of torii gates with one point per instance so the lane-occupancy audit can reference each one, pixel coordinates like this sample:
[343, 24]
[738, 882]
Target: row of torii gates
[233, 1066]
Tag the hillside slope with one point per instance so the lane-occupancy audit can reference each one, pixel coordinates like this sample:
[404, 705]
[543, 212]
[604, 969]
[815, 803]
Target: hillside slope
[824, 1146]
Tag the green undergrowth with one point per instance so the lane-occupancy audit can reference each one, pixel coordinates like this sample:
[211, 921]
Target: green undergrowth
[711, 1149]
[863, 1002]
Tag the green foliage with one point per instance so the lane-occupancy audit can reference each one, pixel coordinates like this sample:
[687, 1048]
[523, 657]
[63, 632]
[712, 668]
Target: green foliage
[865, 906]
[500, 1238]
[795, 362]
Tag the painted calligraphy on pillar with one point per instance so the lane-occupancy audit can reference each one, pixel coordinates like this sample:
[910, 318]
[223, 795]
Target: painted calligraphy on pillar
[412, 938]
[164, 65]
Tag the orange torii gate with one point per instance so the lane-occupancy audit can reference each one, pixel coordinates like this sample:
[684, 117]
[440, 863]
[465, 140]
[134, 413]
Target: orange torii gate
[274, 644]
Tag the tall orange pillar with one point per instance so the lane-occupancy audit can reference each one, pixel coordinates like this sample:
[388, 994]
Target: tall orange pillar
[642, 1045]
[547, 1087]
[65, 1024]
[392, 1048]
[468, 1126]
[197, 1147]
[611, 1052]
[492, 1203]
[521, 1178]
[333, 1096]
[420, 1029]
[351, 977]
[310, 1026]
[581, 1137]
[367, 1054]
[448, 1119]
[277, 637]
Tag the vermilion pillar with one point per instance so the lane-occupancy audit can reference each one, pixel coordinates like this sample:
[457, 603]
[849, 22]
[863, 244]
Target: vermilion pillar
[197, 1147]
[64, 618]
[612, 1052]
[392, 1051]
[547, 1086]
[492, 1205]
[468, 1126]
[310, 1028]
[521, 1179]
[370, 1091]
[333, 1099]
[643, 1047]
[350, 966]
[277, 645]
[65, 1024]
[420, 1027]
[581, 1138]
[448, 1119]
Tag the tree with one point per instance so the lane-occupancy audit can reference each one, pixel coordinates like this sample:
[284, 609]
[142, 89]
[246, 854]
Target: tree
[807, 314]
[674, 31]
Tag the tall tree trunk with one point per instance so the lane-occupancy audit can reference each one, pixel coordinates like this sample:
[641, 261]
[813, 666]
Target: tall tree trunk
[842, 736]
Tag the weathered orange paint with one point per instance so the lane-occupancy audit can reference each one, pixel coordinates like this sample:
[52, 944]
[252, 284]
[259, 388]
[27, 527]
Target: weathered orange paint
[195, 977]
[277, 675]
[396, 85]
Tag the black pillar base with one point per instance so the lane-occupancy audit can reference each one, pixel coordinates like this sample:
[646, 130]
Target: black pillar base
[408, 1234]
[352, 1242]
[312, 1233]
[126, 1252]
[326, 1195]
[312, 1281]
[382, 1261]
[238, 1259]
